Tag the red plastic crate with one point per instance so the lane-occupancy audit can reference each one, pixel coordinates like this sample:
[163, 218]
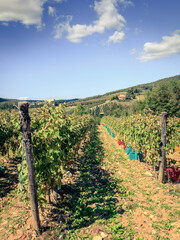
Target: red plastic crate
[173, 174]
[125, 145]
[118, 141]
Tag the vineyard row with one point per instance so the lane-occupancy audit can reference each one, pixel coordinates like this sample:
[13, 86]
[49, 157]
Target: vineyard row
[56, 138]
[142, 133]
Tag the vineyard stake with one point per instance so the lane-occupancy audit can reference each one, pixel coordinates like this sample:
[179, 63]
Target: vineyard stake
[26, 131]
[162, 166]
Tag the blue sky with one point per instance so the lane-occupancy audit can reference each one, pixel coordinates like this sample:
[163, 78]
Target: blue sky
[66, 49]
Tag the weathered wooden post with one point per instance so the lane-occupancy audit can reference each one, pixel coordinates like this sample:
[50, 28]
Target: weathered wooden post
[26, 130]
[162, 166]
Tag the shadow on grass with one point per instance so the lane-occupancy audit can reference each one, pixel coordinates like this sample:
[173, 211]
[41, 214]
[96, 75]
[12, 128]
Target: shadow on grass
[9, 178]
[91, 196]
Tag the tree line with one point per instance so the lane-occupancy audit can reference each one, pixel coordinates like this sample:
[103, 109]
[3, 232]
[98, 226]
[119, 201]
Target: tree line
[163, 98]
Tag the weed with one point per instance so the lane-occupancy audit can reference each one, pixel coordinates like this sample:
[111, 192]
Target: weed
[149, 199]
[119, 232]
[166, 225]
[175, 212]
[131, 193]
[151, 208]
[131, 206]
[175, 192]
[155, 192]
[162, 186]
[122, 191]
[159, 215]
[165, 206]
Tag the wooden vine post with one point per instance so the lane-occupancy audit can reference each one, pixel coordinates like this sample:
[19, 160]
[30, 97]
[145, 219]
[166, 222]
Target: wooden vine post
[26, 131]
[163, 163]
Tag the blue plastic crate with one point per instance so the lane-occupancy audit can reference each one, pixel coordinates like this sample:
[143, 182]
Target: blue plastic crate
[133, 155]
[140, 156]
[128, 150]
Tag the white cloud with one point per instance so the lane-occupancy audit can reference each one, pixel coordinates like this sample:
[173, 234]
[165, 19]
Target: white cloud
[51, 11]
[126, 3]
[23, 98]
[132, 51]
[77, 32]
[61, 27]
[168, 46]
[28, 12]
[117, 37]
[108, 18]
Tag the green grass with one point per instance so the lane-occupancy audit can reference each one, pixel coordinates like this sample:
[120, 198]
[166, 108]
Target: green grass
[175, 192]
[162, 225]
[165, 206]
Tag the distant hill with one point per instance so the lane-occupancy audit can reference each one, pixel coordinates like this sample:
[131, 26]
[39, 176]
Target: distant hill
[100, 99]
[67, 100]
[145, 86]
[14, 101]
[7, 100]
[6, 103]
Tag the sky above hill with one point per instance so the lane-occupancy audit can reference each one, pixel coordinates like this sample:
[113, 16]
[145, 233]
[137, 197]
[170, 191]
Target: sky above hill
[66, 49]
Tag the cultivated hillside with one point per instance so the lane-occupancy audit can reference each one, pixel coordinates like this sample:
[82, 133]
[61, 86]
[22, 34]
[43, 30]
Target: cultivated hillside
[100, 99]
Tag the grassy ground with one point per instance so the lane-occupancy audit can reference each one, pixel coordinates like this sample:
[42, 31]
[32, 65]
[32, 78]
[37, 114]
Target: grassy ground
[104, 196]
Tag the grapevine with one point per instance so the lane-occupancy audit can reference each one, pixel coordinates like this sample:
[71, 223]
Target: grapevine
[56, 139]
[143, 133]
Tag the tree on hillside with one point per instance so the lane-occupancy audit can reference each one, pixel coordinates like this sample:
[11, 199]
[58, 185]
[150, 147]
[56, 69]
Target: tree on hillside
[97, 111]
[175, 100]
[137, 90]
[130, 94]
[115, 97]
[164, 98]
[79, 110]
[140, 106]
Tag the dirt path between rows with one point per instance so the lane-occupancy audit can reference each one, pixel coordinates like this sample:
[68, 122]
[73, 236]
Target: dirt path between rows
[154, 208]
